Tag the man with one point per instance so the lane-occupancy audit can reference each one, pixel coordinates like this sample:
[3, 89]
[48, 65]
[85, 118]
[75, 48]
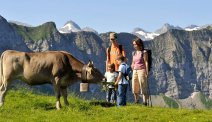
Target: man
[113, 51]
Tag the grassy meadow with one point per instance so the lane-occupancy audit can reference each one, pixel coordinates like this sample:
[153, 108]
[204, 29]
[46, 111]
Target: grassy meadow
[25, 105]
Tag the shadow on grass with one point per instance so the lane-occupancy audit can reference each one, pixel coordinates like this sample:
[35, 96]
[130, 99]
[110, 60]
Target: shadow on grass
[102, 103]
[44, 106]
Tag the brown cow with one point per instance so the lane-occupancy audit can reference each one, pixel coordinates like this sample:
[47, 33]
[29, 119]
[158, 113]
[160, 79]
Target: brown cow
[58, 68]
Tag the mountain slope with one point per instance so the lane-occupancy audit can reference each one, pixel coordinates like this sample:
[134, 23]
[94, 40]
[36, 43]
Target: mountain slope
[167, 27]
[42, 108]
[88, 29]
[45, 30]
[9, 37]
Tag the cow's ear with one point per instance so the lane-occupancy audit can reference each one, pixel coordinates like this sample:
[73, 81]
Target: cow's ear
[90, 63]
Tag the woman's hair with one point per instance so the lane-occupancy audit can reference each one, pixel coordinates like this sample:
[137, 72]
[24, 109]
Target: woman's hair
[139, 42]
[112, 66]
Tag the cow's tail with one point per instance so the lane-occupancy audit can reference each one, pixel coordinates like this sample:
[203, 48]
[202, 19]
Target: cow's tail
[1, 68]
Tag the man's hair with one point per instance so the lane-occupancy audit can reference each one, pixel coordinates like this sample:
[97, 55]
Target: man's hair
[113, 35]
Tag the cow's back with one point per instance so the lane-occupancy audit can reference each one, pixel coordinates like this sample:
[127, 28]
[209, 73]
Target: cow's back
[35, 68]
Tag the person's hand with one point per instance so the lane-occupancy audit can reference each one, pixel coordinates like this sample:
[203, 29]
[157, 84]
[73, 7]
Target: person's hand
[104, 79]
[116, 84]
[146, 73]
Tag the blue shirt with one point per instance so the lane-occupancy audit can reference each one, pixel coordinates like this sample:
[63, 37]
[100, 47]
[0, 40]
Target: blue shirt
[121, 70]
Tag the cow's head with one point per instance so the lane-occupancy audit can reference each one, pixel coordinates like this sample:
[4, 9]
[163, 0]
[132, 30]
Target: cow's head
[91, 74]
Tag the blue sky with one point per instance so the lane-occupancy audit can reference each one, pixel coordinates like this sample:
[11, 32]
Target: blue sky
[109, 15]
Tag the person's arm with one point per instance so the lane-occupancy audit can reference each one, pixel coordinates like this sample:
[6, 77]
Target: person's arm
[132, 65]
[119, 75]
[124, 54]
[146, 62]
[118, 78]
[107, 60]
[105, 77]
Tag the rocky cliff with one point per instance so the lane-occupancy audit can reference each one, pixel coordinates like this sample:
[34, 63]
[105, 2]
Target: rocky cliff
[182, 62]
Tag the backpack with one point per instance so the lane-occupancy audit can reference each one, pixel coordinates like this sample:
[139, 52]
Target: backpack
[149, 53]
[128, 72]
[109, 49]
[128, 75]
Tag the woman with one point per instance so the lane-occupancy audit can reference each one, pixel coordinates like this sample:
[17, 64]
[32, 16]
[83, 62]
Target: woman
[140, 71]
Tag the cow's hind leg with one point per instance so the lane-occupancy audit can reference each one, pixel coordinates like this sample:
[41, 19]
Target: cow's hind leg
[57, 92]
[64, 94]
[3, 91]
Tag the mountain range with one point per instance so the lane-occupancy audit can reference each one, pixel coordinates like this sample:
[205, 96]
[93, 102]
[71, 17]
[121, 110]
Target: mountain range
[71, 26]
[182, 58]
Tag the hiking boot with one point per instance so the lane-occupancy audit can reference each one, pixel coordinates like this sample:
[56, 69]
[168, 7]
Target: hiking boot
[145, 104]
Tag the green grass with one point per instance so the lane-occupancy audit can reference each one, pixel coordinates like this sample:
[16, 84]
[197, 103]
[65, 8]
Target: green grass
[205, 101]
[170, 102]
[25, 105]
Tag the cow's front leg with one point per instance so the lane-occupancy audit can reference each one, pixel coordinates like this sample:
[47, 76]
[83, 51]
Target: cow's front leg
[57, 92]
[64, 94]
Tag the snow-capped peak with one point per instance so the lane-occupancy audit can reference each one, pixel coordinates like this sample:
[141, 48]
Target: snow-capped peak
[192, 28]
[144, 35]
[69, 27]
[138, 29]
